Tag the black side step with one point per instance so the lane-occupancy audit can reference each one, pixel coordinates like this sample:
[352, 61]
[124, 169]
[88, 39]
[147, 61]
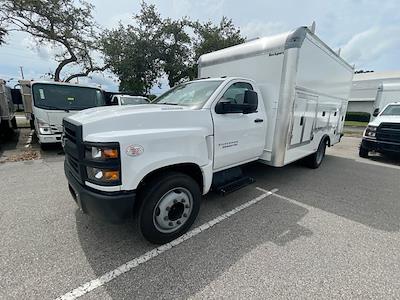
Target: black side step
[234, 185]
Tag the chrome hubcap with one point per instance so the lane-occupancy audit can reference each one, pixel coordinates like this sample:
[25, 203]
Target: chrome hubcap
[173, 210]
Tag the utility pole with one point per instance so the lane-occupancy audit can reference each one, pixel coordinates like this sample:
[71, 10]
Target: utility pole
[22, 72]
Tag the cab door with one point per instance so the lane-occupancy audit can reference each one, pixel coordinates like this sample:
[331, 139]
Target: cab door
[238, 137]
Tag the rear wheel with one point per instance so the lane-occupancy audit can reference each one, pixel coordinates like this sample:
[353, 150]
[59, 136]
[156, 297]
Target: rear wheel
[14, 123]
[170, 205]
[363, 152]
[315, 159]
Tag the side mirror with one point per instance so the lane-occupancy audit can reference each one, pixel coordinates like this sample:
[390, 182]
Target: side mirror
[250, 105]
[251, 101]
[376, 112]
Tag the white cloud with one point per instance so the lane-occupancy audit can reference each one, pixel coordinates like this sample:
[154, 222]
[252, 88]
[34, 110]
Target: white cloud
[107, 81]
[208, 8]
[370, 45]
[254, 29]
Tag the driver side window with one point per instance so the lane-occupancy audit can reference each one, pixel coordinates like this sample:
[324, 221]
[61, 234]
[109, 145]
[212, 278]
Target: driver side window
[235, 93]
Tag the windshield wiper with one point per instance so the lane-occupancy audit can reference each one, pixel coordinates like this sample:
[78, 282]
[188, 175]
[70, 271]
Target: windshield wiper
[53, 108]
[168, 103]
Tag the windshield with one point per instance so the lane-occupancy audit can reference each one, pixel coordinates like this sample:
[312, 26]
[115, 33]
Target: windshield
[126, 100]
[64, 97]
[193, 94]
[391, 110]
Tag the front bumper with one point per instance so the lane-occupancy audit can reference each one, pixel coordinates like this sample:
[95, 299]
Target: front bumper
[49, 139]
[380, 146]
[113, 207]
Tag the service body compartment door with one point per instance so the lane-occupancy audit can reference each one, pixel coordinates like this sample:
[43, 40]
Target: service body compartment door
[304, 115]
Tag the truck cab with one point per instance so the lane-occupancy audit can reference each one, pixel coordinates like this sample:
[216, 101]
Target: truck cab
[52, 102]
[383, 133]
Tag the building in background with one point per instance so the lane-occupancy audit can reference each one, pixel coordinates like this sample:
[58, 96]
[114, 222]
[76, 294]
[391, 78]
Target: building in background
[365, 87]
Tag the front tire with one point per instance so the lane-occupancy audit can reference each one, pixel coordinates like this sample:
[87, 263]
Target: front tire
[171, 203]
[363, 152]
[315, 159]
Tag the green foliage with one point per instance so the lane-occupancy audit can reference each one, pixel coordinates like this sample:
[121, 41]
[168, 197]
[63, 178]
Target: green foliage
[3, 33]
[358, 116]
[67, 25]
[210, 37]
[133, 52]
[140, 54]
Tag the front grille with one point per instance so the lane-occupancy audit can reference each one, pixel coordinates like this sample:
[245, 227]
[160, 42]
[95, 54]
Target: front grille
[73, 148]
[388, 132]
[75, 160]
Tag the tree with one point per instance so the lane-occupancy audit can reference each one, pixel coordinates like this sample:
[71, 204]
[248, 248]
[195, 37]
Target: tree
[176, 54]
[133, 52]
[66, 25]
[210, 37]
[152, 47]
[3, 33]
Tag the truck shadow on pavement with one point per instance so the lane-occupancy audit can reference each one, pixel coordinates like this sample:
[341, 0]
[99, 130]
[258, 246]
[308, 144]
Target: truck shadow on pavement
[340, 186]
[213, 251]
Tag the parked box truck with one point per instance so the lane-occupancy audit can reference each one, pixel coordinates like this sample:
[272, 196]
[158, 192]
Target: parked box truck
[47, 103]
[274, 100]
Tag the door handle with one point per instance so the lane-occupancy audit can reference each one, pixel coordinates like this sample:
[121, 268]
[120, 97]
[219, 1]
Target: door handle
[258, 120]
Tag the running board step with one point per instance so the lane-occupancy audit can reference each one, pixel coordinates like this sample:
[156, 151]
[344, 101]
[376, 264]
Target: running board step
[234, 185]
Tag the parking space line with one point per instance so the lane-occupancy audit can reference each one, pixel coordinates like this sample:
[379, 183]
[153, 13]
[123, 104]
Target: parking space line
[107, 277]
[286, 198]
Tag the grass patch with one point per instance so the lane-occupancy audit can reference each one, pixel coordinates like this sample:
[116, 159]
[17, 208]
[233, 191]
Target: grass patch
[355, 123]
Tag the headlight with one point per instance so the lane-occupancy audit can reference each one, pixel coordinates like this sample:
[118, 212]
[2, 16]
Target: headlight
[103, 175]
[44, 128]
[370, 131]
[101, 153]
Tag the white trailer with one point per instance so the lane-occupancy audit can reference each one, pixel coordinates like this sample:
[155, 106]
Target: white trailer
[387, 93]
[273, 100]
[304, 85]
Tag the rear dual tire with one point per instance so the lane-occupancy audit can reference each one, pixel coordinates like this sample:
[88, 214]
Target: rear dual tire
[315, 159]
[170, 205]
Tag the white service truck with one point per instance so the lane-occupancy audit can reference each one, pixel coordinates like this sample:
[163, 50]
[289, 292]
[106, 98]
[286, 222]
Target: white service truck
[387, 93]
[383, 133]
[46, 104]
[8, 120]
[274, 100]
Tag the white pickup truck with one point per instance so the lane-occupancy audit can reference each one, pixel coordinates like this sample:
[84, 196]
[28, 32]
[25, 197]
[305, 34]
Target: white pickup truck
[274, 100]
[383, 133]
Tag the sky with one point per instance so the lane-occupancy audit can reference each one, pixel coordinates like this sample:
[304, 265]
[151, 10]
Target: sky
[368, 32]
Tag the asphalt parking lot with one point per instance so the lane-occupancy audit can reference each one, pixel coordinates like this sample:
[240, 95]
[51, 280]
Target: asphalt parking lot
[326, 233]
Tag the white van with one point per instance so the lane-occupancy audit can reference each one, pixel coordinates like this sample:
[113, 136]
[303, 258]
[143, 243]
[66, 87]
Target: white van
[128, 100]
[274, 100]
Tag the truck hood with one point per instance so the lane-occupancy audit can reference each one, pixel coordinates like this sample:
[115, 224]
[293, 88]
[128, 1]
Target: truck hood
[56, 117]
[384, 119]
[108, 124]
[97, 114]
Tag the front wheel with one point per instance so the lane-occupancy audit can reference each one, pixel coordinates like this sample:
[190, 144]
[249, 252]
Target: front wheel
[315, 159]
[170, 205]
[363, 152]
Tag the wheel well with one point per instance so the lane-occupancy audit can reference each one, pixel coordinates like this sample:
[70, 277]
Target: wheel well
[189, 169]
[327, 140]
